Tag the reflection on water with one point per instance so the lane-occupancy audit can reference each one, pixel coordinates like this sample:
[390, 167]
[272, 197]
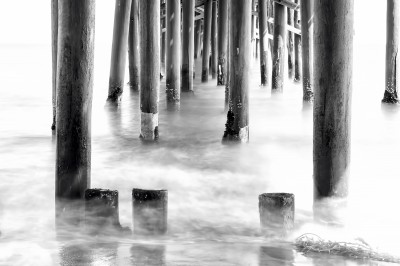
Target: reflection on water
[142, 255]
[276, 256]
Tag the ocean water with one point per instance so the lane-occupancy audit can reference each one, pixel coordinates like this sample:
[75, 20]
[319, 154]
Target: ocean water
[213, 188]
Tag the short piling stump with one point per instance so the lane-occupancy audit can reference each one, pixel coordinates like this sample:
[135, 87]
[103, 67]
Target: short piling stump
[150, 210]
[276, 213]
[101, 209]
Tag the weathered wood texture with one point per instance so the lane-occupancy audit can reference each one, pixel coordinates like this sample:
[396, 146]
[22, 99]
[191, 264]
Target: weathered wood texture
[237, 125]
[278, 57]
[392, 49]
[287, 3]
[206, 40]
[333, 65]
[222, 41]
[214, 40]
[228, 63]
[133, 46]
[276, 213]
[101, 209]
[54, 36]
[197, 39]
[307, 18]
[163, 43]
[263, 35]
[290, 43]
[119, 49]
[187, 45]
[270, 13]
[297, 46]
[253, 28]
[150, 211]
[149, 21]
[173, 66]
[74, 94]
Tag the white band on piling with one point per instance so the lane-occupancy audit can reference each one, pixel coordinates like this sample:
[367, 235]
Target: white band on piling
[244, 134]
[149, 122]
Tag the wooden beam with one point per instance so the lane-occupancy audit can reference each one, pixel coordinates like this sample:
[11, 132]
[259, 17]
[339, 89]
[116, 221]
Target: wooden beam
[288, 4]
[289, 27]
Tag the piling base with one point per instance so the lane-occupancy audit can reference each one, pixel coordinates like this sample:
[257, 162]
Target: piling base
[101, 210]
[276, 213]
[150, 209]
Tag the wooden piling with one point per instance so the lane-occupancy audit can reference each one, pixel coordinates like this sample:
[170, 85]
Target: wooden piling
[297, 46]
[149, 21]
[133, 46]
[253, 29]
[197, 39]
[237, 125]
[229, 62]
[54, 36]
[270, 13]
[187, 45]
[206, 40]
[392, 48]
[163, 42]
[101, 209]
[263, 35]
[222, 41]
[74, 97]
[150, 211]
[173, 66]
[290, 43]
[278, 57]
[214, 40]
[306, 48]
[333, 63]
[119, 49]
[276, 212]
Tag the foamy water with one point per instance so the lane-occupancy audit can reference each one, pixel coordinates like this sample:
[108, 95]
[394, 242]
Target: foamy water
[213, 188]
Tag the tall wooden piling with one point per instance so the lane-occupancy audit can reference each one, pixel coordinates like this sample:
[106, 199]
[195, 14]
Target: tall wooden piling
[306, 7]
[278, 56]
[333, 63]
[173, 66]
[270, 13]
[74, 93]
[163, 40]
[222, 41]
[149, 21]
[392, 48]
[253, 28]
[237, 125]
[197, 39]
[214, 40]
[119, 49]
[206, 40]
[54, 36]
[187, 45]
[229, 62]
[290, 43]
[263, 35]
[150, 211]
[297, 46]
[133, 46]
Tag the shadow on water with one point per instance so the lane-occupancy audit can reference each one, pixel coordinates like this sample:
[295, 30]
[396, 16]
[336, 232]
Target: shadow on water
[76, 246]
[89, 253]
[390, 110]
[147, 254]
[276, 255]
